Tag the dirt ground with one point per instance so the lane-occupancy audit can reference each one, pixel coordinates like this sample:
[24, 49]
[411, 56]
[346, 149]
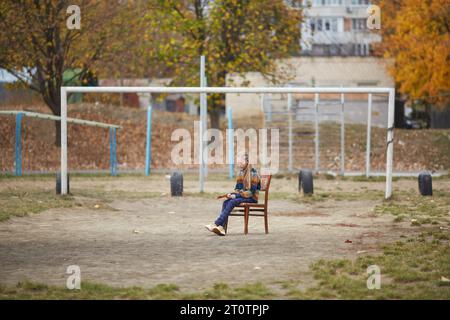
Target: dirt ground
[147, 241]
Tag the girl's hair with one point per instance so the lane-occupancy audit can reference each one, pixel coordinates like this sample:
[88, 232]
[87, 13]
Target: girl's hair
[248, 173]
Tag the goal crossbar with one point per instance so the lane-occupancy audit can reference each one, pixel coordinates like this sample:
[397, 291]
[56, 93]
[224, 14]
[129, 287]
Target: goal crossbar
[205, 90]
[46, 116]
[227, 90]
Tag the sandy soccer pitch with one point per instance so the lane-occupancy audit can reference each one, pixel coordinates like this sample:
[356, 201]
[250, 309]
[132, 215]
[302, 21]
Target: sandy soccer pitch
[128, 231]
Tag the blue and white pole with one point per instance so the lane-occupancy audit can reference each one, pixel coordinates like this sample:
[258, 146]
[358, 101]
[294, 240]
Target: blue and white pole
[148, 150]
[112, 151]
[18, 145]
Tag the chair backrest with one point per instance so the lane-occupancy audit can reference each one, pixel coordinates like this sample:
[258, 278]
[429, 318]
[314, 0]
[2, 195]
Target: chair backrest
[265, 185]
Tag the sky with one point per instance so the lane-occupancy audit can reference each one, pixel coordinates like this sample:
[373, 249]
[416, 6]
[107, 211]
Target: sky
[5, 76]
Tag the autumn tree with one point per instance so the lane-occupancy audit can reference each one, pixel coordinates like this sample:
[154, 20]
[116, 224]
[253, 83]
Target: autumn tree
[235, 37]
[37, 47]
[126, 55]
[416, 35]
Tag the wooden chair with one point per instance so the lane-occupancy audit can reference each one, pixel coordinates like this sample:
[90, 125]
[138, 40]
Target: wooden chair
[254, 209]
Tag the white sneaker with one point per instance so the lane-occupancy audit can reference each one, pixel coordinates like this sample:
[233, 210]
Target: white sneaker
[219, 230]
[211, 227]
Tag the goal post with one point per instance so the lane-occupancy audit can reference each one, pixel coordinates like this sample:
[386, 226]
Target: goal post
[237, 90]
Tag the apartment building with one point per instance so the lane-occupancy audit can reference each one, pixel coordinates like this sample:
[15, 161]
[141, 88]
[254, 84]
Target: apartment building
[337, 28]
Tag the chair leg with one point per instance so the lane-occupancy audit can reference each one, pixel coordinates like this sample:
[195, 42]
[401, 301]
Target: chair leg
[225, 226]
[246, 212]
[266, 222]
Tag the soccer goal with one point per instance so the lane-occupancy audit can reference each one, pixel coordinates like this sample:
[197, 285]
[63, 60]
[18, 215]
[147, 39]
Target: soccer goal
[33, 122]
[203, 91]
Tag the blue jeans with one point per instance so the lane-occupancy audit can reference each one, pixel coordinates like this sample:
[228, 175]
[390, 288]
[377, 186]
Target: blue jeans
[228, 206]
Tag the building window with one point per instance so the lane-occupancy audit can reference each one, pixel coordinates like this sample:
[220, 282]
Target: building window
[319, 24]
[360, 2]
[334, 24]
[312, 24]
[324, 24]
[318, 3]
[359, 24]
[330, 24]
[367, 84]
[362, 49]
[366, 49]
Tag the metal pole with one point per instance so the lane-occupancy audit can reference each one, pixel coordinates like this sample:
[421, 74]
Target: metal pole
[289, 108]
[205, 126]
[18, 146]
[390, 143]
[230, 140]
[112, 151]
[369, 125]
[47, 116]
[63, 141]
[316, 140]
[148, 149]
[267, 106]
[229, 89]
[263, 109]
[202, 124]
[342, 135]
[115, 151]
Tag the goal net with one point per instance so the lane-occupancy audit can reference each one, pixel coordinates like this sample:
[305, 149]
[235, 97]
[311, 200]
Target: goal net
[311, 116]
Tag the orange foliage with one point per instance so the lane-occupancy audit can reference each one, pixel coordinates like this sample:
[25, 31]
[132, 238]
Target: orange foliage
[416, 34]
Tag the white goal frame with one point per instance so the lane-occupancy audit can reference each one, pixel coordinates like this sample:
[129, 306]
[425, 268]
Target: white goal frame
[206, 90]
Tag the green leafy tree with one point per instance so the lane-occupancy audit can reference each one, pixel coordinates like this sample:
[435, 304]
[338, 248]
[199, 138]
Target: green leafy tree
[37, 46]
[235, 37]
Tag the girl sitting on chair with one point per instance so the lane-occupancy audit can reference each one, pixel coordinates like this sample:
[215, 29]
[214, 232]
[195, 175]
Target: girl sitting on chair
[247, 189]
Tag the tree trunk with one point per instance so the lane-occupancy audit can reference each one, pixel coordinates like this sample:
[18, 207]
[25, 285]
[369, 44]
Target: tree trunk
[58, 134]
[399, 121]
[214, 116]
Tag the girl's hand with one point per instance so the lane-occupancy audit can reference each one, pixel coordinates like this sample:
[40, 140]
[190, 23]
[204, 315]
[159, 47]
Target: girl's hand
[231, 196]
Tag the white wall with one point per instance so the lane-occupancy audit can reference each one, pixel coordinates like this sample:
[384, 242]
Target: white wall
[322, 71]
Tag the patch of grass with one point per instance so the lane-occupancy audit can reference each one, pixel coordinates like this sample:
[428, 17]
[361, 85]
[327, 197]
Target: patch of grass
[19, 203]
[420, 210]
[110, 195]
[30, 290]
[410, 269]
[320, 196]
[363, 178]
[22, 202]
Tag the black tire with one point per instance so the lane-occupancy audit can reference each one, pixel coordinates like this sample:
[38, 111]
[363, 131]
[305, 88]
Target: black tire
[306, 181]
[58, 183]
[176, 184]
[300, 181]
[425, 184]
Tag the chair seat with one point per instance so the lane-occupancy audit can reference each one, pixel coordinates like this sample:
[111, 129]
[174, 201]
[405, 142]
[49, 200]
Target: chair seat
[250, 214]
[250, 204]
